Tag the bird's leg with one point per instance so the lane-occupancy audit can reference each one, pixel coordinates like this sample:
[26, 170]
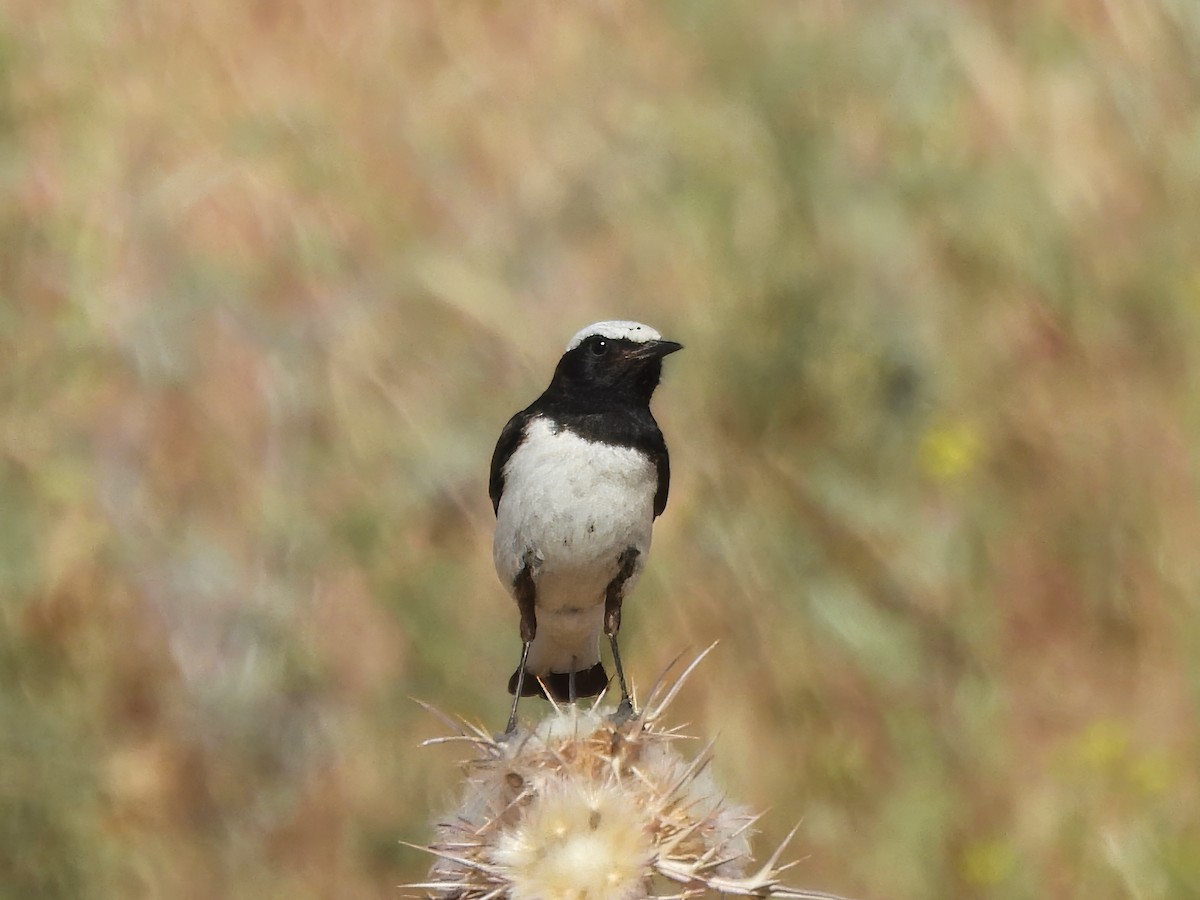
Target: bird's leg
[613, 596]
[526, 593]
[571, 695]
[512, 715]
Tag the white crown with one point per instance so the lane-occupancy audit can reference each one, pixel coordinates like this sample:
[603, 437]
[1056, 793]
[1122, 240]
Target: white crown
[616, 331]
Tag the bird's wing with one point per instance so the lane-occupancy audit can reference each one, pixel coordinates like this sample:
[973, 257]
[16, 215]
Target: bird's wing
[510, 439]
[662, 463]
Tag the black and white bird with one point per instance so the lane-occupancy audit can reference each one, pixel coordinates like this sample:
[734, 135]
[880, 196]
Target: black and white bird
[577, 480]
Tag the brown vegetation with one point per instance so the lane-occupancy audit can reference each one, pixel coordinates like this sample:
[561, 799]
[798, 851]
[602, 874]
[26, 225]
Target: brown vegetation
[273, 276]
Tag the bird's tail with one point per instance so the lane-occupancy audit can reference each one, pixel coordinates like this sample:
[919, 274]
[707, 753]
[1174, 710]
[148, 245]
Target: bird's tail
[588, 683]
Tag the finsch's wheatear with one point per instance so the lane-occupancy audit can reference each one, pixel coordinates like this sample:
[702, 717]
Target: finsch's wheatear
[577, 480]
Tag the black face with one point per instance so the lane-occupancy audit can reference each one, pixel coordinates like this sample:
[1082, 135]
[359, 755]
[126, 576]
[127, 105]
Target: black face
[608, 369]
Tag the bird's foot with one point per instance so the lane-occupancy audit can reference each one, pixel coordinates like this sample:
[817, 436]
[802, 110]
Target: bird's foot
[624, 713]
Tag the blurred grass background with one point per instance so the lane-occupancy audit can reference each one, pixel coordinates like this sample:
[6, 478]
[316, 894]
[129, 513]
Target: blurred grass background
[273, 276]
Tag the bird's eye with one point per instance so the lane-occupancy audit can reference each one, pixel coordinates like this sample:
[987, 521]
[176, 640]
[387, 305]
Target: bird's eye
[599, 348]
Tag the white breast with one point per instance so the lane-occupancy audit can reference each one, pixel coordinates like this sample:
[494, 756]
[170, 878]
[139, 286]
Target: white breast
[577, 505]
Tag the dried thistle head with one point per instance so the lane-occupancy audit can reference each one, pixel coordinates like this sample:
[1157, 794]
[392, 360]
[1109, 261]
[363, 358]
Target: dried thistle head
[585, 806]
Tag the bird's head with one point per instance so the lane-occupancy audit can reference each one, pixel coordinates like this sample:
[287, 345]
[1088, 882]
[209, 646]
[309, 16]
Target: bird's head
[613, 361]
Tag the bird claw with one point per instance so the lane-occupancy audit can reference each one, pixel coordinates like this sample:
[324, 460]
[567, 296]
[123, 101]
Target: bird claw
[624, 712]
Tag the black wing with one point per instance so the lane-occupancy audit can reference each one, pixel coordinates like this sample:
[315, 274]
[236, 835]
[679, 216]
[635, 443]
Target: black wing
[662, 462]
[510, 439]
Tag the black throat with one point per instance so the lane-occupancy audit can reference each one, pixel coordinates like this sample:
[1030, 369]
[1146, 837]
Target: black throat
[600, 399]
[613, 413]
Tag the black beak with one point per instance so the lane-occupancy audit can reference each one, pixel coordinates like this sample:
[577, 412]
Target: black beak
[655, 349]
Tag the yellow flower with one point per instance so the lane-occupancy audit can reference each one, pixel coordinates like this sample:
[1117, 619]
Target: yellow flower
[949, 451]
[987, 863]
[1103, 744]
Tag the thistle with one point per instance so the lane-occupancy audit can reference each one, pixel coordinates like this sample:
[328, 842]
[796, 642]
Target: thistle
[585, 806]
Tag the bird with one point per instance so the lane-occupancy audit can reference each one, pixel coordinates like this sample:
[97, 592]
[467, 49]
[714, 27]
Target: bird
[577, 479]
